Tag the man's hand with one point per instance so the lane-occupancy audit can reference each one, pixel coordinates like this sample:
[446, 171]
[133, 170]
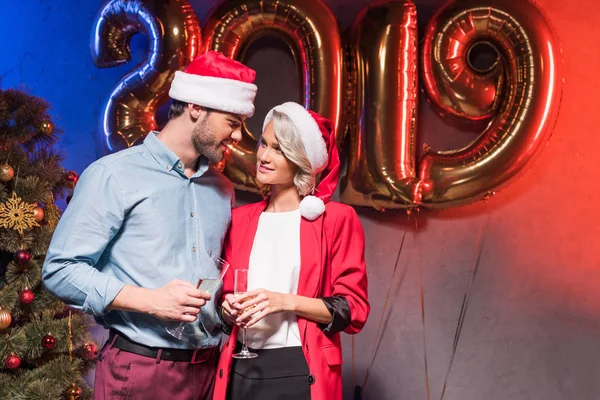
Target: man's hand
[175, 301]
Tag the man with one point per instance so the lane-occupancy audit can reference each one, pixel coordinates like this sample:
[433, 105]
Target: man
[141, 229]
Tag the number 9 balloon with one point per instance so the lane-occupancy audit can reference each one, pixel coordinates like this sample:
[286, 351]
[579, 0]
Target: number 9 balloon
[522, 92]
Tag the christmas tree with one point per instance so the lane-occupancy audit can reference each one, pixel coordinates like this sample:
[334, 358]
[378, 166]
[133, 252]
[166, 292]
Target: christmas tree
[45, 348]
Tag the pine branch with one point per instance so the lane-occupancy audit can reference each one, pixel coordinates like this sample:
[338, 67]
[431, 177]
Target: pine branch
[11, 241]
[57, 375]
[24, 117]
[33, 190]
[40, 389]
[46, 164]
[3, 193]
[45, 302]
[9, 297]
[5, 380]
[39, 247]
[24, 276]
[11, 343]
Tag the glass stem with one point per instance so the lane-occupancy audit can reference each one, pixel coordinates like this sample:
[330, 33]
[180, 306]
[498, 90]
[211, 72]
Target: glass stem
[244, 345]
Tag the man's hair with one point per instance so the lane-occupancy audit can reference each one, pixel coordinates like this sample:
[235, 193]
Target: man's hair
[178, 107]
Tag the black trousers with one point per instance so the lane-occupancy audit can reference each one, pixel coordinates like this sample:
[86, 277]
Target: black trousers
[275, 374]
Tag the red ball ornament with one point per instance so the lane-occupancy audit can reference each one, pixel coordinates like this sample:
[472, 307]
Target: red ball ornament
[72, 177]
[22, 257]
[48, 341]
[90, 350]
[26, 296]
[12, 362]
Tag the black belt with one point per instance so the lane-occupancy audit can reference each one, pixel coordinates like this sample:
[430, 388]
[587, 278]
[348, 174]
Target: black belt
[193, 356]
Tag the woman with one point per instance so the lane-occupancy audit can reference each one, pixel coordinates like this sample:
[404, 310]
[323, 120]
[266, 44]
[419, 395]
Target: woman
[307, 256]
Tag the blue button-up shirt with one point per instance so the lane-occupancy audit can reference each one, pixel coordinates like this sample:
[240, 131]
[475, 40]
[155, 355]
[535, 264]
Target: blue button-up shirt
[136, 219]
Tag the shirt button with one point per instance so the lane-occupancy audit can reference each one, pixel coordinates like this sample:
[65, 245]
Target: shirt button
[311, 379]
[194, 249]
[192, 214]
[179, 165]
[221, 373]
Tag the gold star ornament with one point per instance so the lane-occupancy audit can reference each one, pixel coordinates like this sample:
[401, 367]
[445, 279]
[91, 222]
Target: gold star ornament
[17, 215]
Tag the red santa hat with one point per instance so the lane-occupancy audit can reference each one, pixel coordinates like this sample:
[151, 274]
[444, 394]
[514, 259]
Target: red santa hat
[215, 81]
[318, 137]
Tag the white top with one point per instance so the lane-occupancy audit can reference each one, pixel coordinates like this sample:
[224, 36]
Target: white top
[275, 266]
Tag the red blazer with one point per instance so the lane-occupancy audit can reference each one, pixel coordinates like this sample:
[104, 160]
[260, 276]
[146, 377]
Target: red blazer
[332, 263]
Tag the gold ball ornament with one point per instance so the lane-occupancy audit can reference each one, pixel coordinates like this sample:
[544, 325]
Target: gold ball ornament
[38, 214]
[5, 319]
[47, 128]
[73, 392]
[6, 172]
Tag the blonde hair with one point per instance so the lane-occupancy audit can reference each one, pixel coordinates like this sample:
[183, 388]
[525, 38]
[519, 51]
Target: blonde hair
[293, 149]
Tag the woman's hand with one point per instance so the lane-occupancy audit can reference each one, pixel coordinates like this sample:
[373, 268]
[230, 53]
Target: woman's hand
[228, 310]
[259, 303]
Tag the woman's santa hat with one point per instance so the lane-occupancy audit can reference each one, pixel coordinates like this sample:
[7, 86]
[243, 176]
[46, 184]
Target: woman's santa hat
[318, 137]
[215, 81]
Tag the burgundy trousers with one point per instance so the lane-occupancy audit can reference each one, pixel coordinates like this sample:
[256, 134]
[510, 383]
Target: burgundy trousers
[123, 375]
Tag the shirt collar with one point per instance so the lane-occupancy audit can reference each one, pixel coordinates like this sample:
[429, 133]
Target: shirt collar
[169, 160]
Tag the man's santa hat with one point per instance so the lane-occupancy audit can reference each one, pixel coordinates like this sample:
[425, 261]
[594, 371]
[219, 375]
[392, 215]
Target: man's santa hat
[318, 137]
[215, 81]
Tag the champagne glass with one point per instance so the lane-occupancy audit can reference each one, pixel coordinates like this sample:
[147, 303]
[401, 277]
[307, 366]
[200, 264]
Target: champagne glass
[240, 287]
[210, 282]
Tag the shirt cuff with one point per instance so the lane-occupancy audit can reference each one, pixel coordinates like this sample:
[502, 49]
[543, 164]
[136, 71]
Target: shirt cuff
[101, 295]
[340, 311]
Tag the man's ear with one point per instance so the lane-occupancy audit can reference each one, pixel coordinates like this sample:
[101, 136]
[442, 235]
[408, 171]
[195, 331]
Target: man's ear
[195, 111]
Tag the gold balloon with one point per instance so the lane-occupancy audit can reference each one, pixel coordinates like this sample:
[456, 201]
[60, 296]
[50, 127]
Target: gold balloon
[174, 35]
[311, 32]
[382, 46]
[522, 91]
[6, 172]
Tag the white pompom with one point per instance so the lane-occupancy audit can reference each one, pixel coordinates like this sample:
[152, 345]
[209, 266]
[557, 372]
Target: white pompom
[311, 207]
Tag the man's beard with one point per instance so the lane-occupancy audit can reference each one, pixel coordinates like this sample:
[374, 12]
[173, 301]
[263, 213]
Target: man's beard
[203, 140]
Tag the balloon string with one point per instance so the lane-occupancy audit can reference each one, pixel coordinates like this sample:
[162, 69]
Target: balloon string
[384, 318]
[465, 303]
[422, 299]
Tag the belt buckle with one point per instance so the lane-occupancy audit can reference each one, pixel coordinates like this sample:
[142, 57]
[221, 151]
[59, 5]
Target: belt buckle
[201, 359]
